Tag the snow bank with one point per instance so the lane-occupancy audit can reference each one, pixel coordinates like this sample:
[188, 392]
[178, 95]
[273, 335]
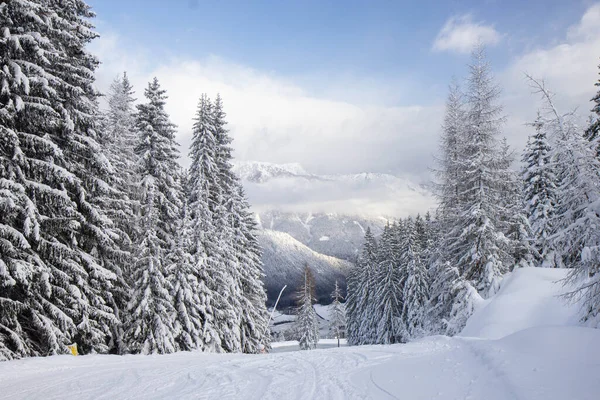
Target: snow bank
[528, 297]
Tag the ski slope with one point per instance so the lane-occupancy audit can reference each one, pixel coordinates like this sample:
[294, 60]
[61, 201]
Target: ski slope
[521, 344]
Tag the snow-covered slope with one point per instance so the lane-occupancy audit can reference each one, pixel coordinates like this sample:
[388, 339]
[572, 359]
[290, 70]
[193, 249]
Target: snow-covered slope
[331, 234]
[284, 260]
[528, 297]
[540, 356]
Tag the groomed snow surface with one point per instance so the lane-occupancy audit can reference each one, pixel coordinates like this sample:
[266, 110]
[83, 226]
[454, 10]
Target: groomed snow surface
[521, 344]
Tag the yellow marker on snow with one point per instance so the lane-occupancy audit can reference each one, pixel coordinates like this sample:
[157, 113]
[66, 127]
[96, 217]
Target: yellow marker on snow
[73, 349]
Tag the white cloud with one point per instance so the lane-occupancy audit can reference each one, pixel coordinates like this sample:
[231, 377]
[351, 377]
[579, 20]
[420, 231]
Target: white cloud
[276, 120]
[272, 119]
[460, 34]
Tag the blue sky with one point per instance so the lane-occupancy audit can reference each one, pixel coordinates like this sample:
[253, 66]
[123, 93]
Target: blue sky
[314, 40]
[345, 87]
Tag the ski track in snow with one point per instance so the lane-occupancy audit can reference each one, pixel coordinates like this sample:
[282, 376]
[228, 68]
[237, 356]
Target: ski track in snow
[508, 354]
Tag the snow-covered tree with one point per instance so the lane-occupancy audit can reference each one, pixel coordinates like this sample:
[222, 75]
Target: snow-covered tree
[150, 317]
[577, 217]
[477, 245]
[60, 261]
[238, 227]
[360, 292]
[194, 316]
[385, 308]
[539, 192]
[212, 249]
[516, 224]
[592, 133]
[416, 286]
[450, 169]
[119, 139]
[337, 319]
[307, 324]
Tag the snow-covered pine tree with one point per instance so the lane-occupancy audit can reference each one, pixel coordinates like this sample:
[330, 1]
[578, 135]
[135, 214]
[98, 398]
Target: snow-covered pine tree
[449, 167]
[576, 238]
[212, 249]
[416, 285]
[477, 244]
[194, 325]
[516, 224]
[337, 318]
[150, 316]
[119, 139]
[359, 294]
[60, 261]
[385, 306]
[240, 231]
[539, 191]
[592, 133]
[307, 324]
[449, 191]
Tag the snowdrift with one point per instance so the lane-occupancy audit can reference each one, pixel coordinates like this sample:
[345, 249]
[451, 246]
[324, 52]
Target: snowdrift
[528, 297]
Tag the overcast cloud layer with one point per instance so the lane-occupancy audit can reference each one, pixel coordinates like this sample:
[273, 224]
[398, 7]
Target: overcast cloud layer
[276, 120]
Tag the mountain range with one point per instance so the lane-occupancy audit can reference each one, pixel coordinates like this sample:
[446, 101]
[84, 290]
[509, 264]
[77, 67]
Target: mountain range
[320, 220]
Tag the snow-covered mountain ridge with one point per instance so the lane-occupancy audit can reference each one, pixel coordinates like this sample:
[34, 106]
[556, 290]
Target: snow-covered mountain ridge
[328, 214]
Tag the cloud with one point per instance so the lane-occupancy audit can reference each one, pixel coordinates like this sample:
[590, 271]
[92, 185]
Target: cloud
[568, 68]
[460, 34]
[275, 120]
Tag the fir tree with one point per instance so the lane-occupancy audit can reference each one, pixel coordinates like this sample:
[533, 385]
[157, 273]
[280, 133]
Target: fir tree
[592, 133]
[194, 318]
[239, 229]
[539, 191]
[364, 292]
[150, 312]
[385, 308]
[60, 261]
[212, 249]
[416, 287]
[576, 238]
[337, 322]
[307, 324]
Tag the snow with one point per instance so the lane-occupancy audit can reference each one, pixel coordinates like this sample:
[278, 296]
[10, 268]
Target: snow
[528, 297]
[323, 238]
[521, 344]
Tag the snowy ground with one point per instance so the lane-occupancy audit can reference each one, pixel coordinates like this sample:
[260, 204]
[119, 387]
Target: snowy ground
[524, 347]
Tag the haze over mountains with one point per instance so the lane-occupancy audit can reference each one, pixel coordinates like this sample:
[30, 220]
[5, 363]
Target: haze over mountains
[320, 220]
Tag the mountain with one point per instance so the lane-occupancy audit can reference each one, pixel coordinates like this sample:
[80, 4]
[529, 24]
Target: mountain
[332, 234]
[284, 259]
[327, 214]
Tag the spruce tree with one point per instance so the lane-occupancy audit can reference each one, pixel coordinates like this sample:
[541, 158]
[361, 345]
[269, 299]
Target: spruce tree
[385, 308]
[60, 261]
[150, 325]
[212, 249]
[576, 238]
[337, 320]
[119, 139]
[539, 188]
[233, 213]
[416, 287]
[307, 324]
[516, 225]
[592, 133]
[366, 289]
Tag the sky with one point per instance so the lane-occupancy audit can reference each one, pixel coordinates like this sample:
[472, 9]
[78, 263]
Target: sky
[346, 87]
